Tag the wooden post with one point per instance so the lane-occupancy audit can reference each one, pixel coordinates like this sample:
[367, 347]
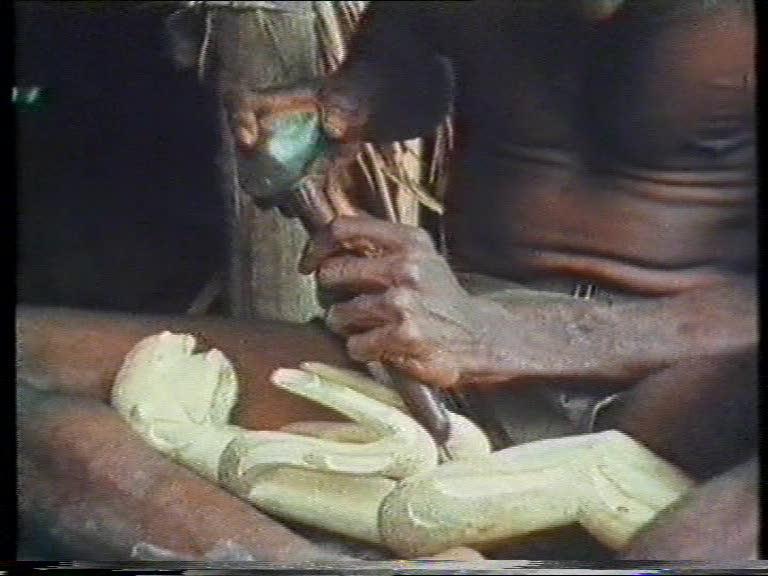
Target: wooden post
[252, 46]
[254, 49]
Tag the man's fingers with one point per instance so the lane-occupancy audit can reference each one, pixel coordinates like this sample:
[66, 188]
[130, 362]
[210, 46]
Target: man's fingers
[363, 235]
[342, 116]
[372, 345]
[361, 314]
[335, 123]
[245, 128]
[435, 370]
[398, 344]
[366, 236]
[246, 138]
[281, 100]
[319, 248]
[253, 115]
[385, 235]
[324, 244]
[354, 274]
[395, 347]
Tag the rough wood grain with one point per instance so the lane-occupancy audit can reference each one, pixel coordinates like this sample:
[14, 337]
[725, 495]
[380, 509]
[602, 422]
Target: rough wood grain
[252, 50]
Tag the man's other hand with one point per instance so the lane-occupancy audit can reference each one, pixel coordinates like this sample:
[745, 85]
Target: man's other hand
[251, 114]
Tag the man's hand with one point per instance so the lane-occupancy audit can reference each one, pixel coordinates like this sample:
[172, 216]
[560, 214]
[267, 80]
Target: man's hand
[250, 113]
[409, 310]
[342, 115]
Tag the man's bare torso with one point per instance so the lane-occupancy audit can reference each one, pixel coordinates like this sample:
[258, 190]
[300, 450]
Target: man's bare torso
[618, 151]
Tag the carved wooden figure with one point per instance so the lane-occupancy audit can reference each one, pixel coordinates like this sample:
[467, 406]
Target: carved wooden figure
[377, 478]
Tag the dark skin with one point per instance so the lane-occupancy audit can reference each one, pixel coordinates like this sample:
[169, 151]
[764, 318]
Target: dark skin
[626, 160]
[695, 527]
[67, 361]
[79, 353]
[642, 180]
[93, 489]
[414, 314]
[411, 311]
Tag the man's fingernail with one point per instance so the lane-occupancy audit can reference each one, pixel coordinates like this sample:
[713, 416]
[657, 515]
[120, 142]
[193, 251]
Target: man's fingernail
[245, 138]
[248, 117]
[334, 132]
[334, 128]
[334, 122]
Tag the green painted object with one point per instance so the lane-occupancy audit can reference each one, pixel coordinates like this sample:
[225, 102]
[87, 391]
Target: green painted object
[297, 142]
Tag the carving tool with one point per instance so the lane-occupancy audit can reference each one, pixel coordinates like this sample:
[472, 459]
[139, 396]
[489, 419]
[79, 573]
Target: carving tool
[289, 172]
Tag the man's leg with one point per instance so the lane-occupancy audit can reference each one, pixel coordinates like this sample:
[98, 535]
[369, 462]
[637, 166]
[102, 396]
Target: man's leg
[77, 352]
[717, 521]
[699, 414]
[92, 489]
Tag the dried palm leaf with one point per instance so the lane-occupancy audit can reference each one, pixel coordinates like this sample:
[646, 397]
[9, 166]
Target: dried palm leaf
[396, 173]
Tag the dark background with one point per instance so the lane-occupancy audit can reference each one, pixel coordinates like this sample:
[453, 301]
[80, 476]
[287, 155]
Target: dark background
[118, 204]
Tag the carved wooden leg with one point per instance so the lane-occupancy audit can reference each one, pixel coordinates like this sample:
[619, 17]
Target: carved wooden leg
[607, 482]
[466, 440]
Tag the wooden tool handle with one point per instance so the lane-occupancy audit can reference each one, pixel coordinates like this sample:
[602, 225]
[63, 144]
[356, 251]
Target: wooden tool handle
[423, 403]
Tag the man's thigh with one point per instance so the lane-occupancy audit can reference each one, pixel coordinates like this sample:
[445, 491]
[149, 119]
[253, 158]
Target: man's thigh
[90, 488]
[78, 352]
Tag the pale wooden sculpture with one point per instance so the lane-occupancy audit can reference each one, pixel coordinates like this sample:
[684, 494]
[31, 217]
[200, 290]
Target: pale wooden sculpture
[377, 479]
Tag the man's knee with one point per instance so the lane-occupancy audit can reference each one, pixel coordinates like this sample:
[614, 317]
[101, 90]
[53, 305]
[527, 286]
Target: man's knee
[700, 414]
[717, 521]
